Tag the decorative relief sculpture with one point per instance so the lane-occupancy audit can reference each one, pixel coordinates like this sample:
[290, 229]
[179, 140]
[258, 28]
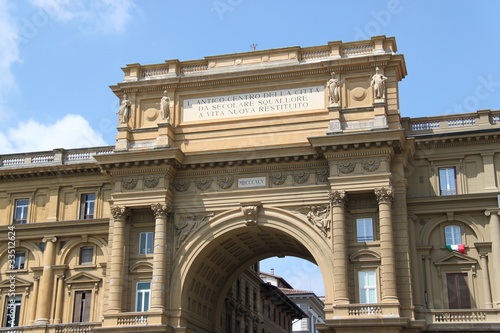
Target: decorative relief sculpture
[124, 110]
[384, 194]
[370, 165]
[346, 166]
[322, 175]
[333, 86]
[378, 84]
[129, 183]
[225, 182]
[151, 181]
[250, 212]
[278, 178]
[186, 224]
[300, 177]
[319, 216]
[203, 183]
[181, 185]
[165, 107]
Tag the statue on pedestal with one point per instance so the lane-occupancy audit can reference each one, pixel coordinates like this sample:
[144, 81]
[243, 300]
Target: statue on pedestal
[124, 110]
[165, 107]
[334, 88]
[378, 84]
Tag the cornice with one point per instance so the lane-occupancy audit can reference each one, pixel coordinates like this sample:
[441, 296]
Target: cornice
[49, 172]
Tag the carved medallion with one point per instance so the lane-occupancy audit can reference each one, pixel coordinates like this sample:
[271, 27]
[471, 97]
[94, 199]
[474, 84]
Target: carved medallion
[151, 181]
[225, 182]
[346, 167]
[181, 185]
[300, 177]
[203, 183]
[322, 175]
[278, 178]
[370, 165]
[129, 183]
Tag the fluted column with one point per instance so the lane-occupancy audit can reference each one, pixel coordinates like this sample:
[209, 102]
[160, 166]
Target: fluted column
[338, 200]
[44, 302]
[388, 262]
[495, 253]
[159, 256]
[117, 256]
[59, 299]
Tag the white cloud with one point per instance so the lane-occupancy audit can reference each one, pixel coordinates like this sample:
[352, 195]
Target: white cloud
[109, 16]
[72, 131]
[9, 54]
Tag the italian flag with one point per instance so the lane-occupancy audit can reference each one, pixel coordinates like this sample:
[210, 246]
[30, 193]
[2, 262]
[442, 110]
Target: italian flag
[459, 248]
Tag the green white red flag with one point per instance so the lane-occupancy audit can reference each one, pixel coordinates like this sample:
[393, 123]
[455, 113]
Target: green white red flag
[459, 248]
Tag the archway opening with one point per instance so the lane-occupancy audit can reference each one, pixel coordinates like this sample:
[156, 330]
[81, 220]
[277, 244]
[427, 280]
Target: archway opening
[224, 255]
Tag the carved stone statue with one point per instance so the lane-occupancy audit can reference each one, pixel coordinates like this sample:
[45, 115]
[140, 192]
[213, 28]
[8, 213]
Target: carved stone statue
[124, 110]
[320, 217]
[165, 107]
[378, 84]
[334, 88]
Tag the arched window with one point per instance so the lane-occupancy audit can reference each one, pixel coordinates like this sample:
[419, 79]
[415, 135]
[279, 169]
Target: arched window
[453, 235]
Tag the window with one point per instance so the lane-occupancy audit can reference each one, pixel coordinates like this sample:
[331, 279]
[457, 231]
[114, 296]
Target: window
[12, 311]
[447, 181]
[87, 204]
[86, 255]
[142, 295]
[81, 309]
[364, 228]
[367, 287]
[145, 243]
[458, 291]
[453, 235]
[21, 211]
[19, 260]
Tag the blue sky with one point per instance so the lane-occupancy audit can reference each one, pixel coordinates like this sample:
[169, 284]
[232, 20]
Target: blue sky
[58, 57]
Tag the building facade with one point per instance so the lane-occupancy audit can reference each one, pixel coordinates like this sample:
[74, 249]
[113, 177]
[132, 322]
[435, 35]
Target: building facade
[227, 160]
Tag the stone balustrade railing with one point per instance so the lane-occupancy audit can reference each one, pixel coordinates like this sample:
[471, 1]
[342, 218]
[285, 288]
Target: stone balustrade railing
[460, 316]
[482, 119]
[54, 328]
[334, 50]
[351, 311]
[56, 157]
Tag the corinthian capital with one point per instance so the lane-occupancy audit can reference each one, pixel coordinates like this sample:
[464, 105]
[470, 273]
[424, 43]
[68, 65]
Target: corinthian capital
[337, 197]
[384, 194]
[161, 210]
[119, 212]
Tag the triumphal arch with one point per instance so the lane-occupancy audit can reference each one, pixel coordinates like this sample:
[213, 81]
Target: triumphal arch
[257, 155]
[224, 161]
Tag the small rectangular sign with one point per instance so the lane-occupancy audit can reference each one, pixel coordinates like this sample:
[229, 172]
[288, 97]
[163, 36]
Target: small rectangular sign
[251, 182]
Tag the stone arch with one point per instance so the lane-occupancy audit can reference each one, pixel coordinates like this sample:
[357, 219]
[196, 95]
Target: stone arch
[213, 256]
[435, 222]
[70, 245]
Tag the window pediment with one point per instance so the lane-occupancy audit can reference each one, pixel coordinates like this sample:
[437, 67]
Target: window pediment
[82, 278]
[455, 258]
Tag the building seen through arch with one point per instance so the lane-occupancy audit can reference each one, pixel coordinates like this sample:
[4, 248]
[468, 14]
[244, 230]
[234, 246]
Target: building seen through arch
[224, 161]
